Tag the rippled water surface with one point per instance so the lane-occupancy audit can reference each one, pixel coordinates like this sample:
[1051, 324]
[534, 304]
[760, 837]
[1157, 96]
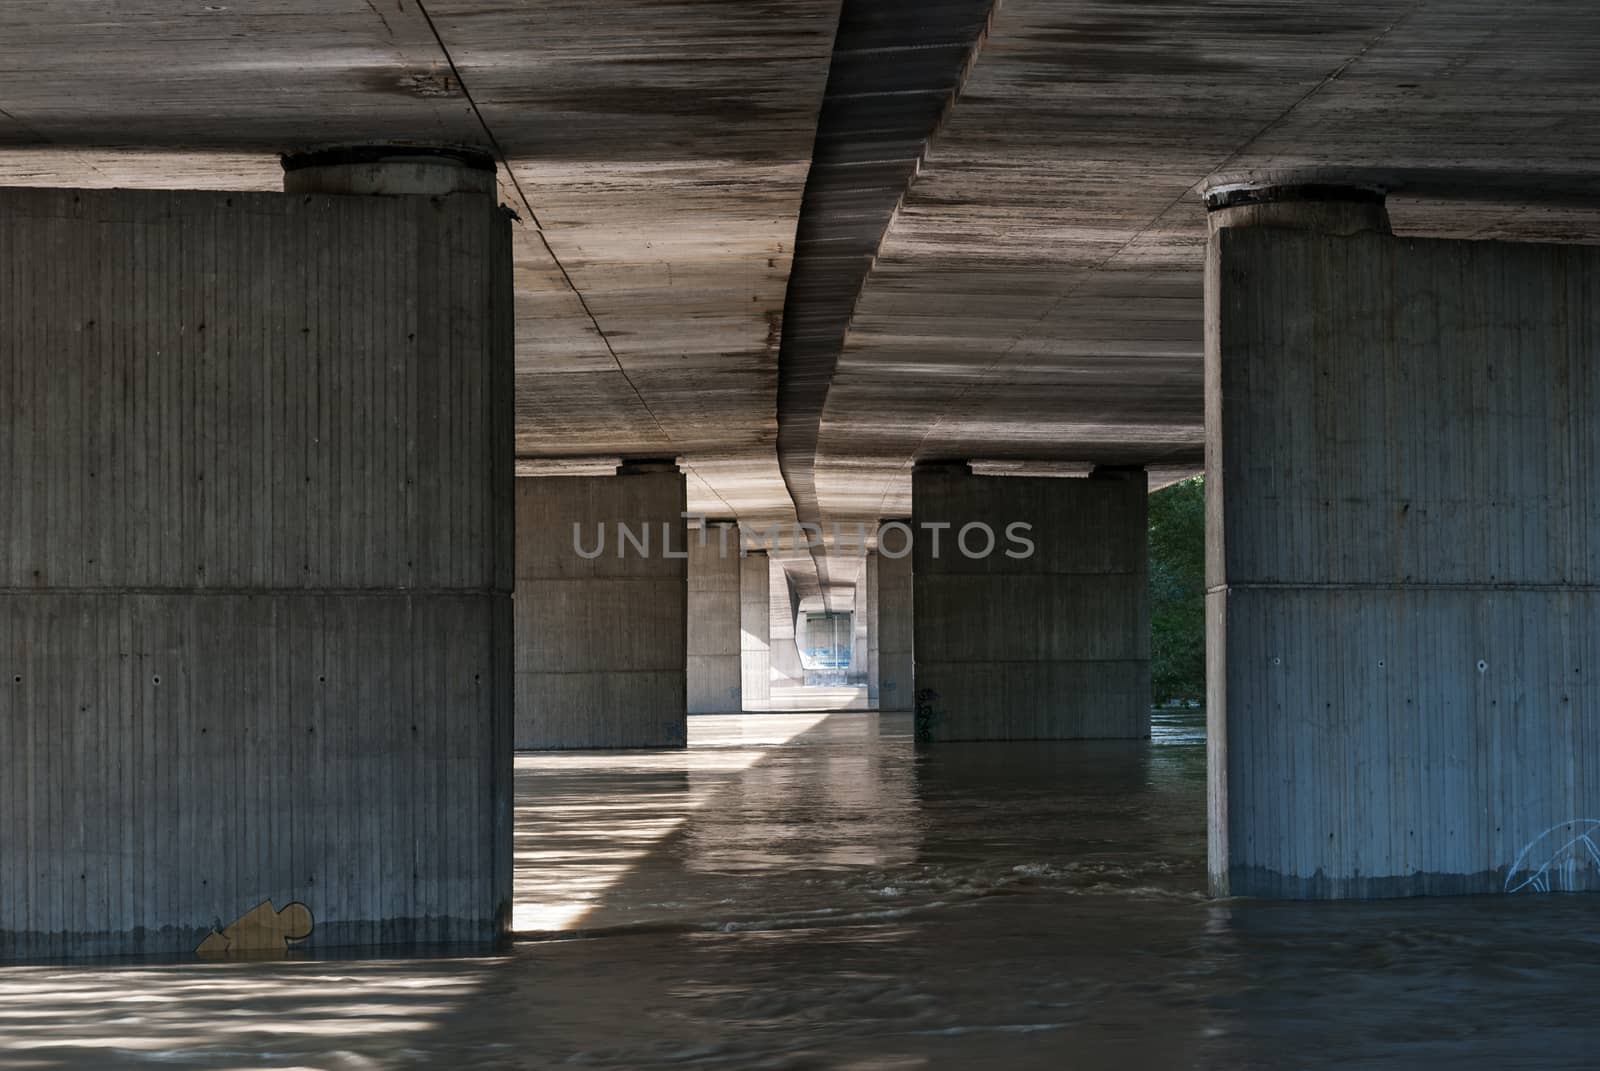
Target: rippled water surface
[811, 891]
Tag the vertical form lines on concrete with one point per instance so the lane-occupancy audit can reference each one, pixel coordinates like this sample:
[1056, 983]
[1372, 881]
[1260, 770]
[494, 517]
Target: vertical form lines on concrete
[1053, 644]
[601, 648]
[896, 691]
[1403, 608]
[715, 643]
[874, 639]
[755, 630]
[257, 642]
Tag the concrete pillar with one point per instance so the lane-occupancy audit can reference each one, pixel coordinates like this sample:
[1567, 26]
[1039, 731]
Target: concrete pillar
[870, 579]
[787, 671]
[1403, 514]
[860, 640]
[1031, 633]
[755, 630]
[255, 571]
[602, 609]
[895, 687]
[715, 647]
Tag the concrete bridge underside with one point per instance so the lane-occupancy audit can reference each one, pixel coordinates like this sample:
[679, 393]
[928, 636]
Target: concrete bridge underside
[817, 262]
[1035, 246]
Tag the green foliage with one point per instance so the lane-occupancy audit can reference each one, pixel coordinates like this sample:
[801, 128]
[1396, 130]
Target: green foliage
[1177, 593]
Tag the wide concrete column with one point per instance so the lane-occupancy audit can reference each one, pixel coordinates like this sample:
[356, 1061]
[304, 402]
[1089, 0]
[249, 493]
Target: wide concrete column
[874, 651]
[602, 609]
[755, 630]
[715, 644]
[1032, 614]
[896, 692]
[1403, 514]
[255, 571]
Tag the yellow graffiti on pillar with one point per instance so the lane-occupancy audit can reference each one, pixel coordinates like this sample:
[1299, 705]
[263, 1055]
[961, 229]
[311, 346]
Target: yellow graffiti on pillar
[260, 933]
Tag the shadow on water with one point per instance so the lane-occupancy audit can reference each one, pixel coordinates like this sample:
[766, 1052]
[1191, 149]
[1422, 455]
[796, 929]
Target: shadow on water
[788, 895]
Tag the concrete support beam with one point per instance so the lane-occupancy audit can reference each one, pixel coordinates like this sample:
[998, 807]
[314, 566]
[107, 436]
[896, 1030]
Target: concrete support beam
[755, 630]
[1403, 608]
[255, 570]
[715, 647]
[602, 610]
[874, 652]
[896, 690]
[1042, 637]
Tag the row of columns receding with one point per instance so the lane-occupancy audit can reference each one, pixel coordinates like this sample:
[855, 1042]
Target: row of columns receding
[1037, 628]
[276, 608]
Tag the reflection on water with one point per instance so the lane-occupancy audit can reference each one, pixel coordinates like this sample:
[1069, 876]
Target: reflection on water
[807, 891]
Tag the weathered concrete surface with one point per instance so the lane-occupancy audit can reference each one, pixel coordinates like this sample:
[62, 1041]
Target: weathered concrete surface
[1404, 569]
[255, 618]
[755, 630]
[715, 612]
[601, 648]
[895, 630]
[1047, 643]
[874, 650]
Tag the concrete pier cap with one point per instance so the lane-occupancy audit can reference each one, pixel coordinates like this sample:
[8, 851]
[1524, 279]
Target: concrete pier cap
[1118, 472]
[389, 170]
[644, 466]
[1322, 204]
[943, 466]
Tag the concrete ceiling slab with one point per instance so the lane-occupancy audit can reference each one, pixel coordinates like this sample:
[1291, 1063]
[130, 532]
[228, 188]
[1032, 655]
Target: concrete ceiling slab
[1033, 299]
[1038, 296]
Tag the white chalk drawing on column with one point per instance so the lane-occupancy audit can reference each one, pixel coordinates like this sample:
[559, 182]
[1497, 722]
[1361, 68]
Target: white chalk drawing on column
[1552, 861]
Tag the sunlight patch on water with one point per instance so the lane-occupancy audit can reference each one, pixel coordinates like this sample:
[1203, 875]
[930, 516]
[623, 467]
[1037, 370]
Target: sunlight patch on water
[112, 1015]
[584, 819]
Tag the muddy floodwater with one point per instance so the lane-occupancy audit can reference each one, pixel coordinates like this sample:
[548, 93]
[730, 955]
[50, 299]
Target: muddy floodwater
[813, 891]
